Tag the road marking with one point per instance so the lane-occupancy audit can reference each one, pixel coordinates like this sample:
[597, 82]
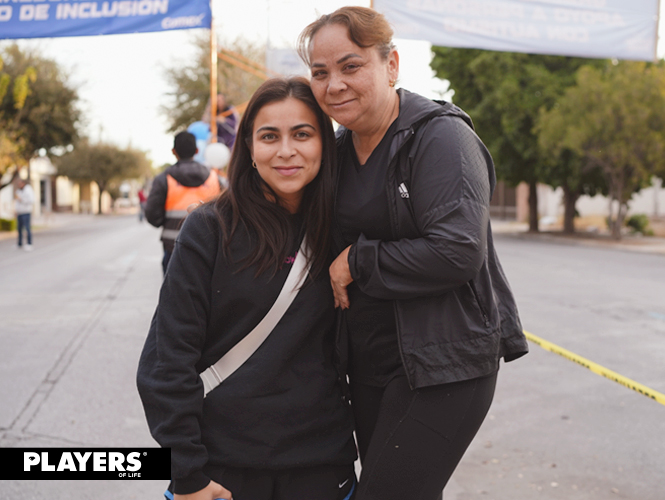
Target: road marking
[597, 369]
[19, 428]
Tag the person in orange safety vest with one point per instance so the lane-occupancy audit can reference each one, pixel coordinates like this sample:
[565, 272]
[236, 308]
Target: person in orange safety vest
[181, 185]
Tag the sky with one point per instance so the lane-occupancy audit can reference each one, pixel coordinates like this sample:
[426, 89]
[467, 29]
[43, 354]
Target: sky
[121, 81]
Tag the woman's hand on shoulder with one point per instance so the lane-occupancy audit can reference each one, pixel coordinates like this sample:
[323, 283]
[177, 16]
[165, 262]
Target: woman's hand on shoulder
[211, 492]
[340, 278]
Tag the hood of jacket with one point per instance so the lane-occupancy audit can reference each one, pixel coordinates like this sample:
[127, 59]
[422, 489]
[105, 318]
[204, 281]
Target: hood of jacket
[189, 172]
[415, 110]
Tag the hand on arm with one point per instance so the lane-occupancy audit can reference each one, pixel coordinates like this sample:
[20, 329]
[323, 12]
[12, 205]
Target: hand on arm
[210, 492]
[340, 278]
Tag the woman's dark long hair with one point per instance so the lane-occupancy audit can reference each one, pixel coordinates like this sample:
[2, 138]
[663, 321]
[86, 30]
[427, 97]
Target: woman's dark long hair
[245, 199]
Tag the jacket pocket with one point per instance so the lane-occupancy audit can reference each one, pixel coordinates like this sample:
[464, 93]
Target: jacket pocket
[479, 303]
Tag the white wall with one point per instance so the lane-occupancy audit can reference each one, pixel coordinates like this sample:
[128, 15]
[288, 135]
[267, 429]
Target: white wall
[649, 201]
[7, 202]
[64, 189]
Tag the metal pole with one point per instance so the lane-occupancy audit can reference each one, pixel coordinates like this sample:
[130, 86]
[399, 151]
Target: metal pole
[655, 52]
[213, 80]
[371, 4]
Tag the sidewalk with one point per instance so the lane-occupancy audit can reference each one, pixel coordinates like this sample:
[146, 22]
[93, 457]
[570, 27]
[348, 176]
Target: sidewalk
[631, 243]
[49, 221]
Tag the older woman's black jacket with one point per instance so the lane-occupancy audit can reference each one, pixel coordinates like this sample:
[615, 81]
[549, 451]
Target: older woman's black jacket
[454, 310]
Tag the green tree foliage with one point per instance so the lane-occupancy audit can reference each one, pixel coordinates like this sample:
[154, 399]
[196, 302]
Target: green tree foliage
[11, 144]
[37, 105]
[613, 118]
[504, 92]
[10, 150]
[190, 82]
[105, 164]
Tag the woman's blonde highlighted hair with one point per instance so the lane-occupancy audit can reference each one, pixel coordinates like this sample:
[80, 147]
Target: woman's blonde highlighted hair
[366, 28]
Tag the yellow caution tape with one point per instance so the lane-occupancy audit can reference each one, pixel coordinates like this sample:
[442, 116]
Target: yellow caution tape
[597, 369]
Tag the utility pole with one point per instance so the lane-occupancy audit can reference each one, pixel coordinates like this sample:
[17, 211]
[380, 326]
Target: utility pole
[213, 79]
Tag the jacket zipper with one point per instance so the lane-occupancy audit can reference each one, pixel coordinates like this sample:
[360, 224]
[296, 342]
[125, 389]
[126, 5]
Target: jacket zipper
[393, 216]
[338, 239]
[480, 305]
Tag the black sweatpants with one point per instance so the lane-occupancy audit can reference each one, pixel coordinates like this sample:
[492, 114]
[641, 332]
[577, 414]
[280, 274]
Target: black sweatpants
[410, 442]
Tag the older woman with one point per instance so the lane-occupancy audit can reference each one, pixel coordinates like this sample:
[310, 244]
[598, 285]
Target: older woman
[428, 310]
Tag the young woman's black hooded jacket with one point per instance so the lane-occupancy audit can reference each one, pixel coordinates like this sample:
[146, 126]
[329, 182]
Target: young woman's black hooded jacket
[281, 409]
[454, 310]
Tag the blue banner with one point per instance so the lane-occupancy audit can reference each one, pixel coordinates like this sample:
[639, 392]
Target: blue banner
[56, 18]
[618, 29]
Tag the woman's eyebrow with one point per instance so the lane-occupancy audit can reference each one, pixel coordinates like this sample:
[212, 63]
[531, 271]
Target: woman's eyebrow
[347, 57]
[340, 61]
[303, 125]
[271, 128]
[267, 127]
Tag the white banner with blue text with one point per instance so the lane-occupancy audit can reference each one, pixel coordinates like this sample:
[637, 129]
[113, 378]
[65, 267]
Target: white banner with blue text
[618, 29]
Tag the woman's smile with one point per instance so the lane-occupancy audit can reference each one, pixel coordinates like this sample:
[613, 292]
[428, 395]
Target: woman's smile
[288, 171]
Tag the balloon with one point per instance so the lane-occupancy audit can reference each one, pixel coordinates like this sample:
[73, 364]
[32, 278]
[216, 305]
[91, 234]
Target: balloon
[217, 155]
[201, 145]
[200, 130]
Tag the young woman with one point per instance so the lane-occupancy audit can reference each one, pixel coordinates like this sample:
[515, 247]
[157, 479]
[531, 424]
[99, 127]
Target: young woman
[428, 310]
[278, 427]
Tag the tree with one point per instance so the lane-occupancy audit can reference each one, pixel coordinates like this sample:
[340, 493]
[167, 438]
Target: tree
[10, 150]
[38, 108]
[103, 163]
[190, 83]
[576, 177]
[504, 92]
[613, 118]
[11, 144]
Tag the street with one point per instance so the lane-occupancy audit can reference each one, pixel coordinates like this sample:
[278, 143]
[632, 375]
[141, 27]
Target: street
[74, 314]
[557, 430]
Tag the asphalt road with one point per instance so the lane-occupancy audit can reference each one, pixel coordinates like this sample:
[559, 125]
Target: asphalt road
[73, 317]
[557, 430]
[75, 311]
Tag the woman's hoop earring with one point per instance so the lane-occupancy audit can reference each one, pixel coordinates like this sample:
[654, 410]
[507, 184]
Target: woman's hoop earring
[392, 83]
[254, 164]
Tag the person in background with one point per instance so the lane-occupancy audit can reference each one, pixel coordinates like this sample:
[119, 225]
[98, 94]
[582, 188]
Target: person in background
[142, 201]
[428, 310]
[24, 199]
[227, 121]
[181, 185]
[279, 426]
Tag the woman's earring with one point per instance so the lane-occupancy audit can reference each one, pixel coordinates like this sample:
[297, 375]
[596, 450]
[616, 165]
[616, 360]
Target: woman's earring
[253, 164]
[392, 83]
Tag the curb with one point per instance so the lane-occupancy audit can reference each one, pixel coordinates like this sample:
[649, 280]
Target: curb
[648, 244]
[41, 224]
